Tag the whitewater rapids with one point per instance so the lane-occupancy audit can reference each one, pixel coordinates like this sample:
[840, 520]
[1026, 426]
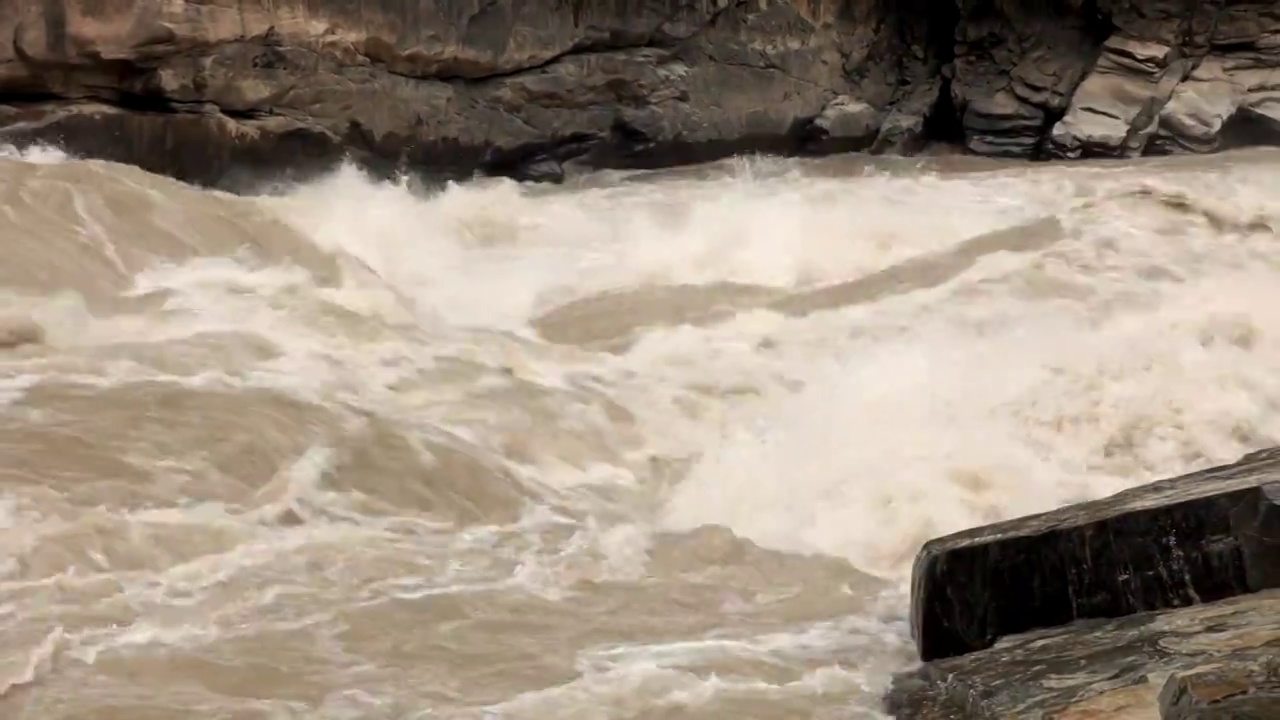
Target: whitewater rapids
[647, 445]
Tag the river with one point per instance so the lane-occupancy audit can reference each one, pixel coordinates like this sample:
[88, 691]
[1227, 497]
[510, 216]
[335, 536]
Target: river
[644, 445]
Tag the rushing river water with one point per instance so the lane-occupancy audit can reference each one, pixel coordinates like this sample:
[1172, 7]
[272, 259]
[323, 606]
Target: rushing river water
[649, 445]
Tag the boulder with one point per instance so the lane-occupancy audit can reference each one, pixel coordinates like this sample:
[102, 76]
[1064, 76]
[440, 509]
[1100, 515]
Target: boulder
[1197, 538]
[845, 123]
[1213, 661]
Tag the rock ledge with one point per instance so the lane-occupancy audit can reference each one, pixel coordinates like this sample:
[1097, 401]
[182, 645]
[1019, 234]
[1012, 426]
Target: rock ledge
[1163, 600]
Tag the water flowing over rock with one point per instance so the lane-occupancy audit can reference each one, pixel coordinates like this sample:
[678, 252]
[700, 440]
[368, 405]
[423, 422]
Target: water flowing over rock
[210, 90]
[1018, 619]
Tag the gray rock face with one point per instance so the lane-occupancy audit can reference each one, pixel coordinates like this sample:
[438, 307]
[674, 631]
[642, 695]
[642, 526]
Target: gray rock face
[203, 88]
[209, 90]
[1194, 539]
[1215, 661]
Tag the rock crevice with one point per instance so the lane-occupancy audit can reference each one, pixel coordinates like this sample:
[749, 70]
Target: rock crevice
[210, 90]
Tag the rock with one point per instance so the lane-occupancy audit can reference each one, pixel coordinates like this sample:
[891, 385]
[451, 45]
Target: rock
[1200, 107]
[1003, 125]
[1231, 97]
[218, 92]
[543, 170]
[1213, 660]
[205, 91]
[1224, 690]
[1198, 538]
[1013, 72]
[846, 123]
[1162, 601]
[1115, 108]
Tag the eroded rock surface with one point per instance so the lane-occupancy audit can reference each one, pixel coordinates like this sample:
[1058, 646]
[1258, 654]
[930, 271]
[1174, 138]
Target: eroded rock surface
[203, 88]
[1234, 688]
[1214, 660]
[209, 90]
[1194, 539]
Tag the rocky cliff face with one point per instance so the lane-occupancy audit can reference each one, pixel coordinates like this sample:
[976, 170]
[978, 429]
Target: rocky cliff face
[208, 89]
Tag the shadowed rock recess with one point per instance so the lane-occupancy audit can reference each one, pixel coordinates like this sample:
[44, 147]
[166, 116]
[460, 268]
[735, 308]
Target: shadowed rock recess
[1161, 601]
[214, 91]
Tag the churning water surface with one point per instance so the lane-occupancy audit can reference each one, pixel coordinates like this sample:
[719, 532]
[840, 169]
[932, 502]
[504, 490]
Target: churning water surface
[649, 445]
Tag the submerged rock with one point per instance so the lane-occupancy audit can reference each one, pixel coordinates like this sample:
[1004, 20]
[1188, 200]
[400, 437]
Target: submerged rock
[217, 92]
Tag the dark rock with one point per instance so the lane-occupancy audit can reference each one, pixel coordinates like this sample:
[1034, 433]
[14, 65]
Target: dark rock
[1228, 689]
[1016, 68]
[210, 92]
[444, 87]
[542, 170]
[1198, 538]
[1214, 660]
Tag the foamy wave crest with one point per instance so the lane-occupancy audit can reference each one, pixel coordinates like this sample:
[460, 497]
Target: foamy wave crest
[37, 154]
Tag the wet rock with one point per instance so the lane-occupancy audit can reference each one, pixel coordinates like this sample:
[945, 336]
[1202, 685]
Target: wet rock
[1198, 538]
[1213, 660]
[218, 92]
[542, 170]
[1224, 690]
[1159, 602]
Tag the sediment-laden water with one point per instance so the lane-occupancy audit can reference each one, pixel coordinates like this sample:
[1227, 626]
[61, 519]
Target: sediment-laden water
[651, 445]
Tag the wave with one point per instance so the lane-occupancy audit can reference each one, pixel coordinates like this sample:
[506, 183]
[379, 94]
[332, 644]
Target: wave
[719, 407]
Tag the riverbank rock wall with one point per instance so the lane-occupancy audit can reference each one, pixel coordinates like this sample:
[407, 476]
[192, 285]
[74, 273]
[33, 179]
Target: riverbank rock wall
[208, 89]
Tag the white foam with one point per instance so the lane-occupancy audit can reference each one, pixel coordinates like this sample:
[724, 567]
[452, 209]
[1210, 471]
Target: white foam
[494, 255]
[861, 432]
[35, 154]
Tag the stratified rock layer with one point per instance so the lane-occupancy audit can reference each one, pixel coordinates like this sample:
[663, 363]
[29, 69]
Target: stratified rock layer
[1193, 539]
[1216, 661]
[211, 90]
